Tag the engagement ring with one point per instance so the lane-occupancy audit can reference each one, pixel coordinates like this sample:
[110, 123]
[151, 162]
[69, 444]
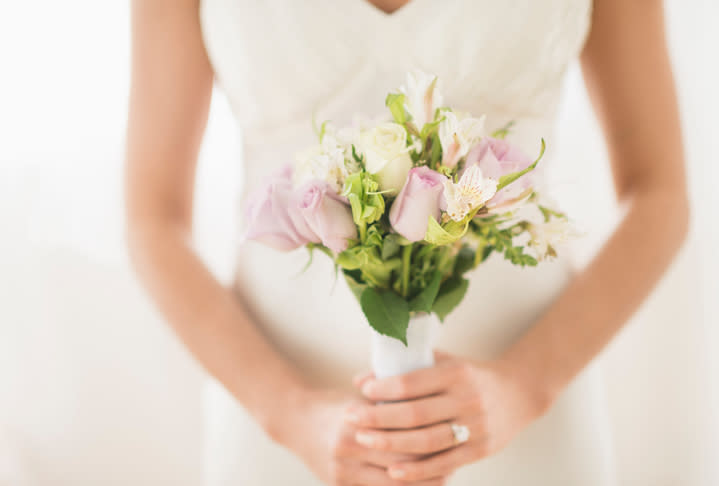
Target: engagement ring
[460, 433]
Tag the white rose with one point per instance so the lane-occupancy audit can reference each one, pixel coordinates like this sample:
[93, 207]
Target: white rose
[387, 155]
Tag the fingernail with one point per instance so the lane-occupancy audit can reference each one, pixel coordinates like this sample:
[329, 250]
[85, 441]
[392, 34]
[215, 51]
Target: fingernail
[396, 473]
[368, 387]
[367, 440]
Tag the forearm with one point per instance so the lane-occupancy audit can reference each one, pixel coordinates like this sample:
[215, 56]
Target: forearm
[601, 299]
[212, 322]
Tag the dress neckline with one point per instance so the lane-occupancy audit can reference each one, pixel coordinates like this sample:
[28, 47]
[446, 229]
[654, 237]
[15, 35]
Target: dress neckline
[376, 11]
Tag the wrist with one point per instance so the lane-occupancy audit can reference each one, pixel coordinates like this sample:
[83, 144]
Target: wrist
[534, 382]
[280, 419]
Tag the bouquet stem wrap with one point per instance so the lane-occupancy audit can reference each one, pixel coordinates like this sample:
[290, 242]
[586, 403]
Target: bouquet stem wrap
[391, 357]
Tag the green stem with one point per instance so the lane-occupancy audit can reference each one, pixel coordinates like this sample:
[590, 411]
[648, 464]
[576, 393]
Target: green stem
[406, 260]
[479, 252]
[362, 232]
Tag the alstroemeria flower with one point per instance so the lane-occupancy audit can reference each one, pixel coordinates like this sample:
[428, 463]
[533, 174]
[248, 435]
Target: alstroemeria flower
[472, 191]
[458, 136]
[547, 235]
[422, 97]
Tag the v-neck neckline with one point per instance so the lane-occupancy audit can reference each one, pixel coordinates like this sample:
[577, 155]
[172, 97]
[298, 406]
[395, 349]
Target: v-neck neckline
[399, 12]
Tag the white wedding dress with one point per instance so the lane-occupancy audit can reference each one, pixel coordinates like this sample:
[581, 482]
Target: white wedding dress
[282, 61]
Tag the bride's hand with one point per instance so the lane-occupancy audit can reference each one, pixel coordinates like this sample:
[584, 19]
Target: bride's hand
[490, 399]
[317, 431]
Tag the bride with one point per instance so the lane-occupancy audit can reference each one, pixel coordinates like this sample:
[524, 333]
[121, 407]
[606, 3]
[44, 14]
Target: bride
[513, 361]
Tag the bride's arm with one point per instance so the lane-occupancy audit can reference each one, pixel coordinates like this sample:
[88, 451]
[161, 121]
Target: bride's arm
[169, 103]
[628, 75]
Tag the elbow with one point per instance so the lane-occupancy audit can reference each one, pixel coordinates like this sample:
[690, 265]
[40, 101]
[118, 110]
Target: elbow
[670, 211]
[143, 236]
[135, 230]
[151, 237]
[148, 224]
[677, 208]
[137, 242]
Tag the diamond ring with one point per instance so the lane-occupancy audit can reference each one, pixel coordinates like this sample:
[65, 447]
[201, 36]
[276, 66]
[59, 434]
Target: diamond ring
[460, 433]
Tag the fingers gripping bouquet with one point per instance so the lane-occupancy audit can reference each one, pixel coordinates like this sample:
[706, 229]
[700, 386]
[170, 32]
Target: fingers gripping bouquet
[405, 208]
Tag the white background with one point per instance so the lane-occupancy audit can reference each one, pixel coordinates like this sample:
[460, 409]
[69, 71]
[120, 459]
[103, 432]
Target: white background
[94, 388]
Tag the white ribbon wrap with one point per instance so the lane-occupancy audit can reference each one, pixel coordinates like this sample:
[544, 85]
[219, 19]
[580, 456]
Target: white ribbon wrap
[391, 357]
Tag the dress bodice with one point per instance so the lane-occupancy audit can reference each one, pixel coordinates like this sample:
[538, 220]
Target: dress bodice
[283, 62]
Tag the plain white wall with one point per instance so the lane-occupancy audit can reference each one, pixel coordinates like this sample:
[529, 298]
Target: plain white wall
[94, 388]
[661, 373]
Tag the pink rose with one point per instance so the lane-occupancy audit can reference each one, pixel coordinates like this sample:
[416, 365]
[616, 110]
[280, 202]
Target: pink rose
[267, 214]
[319, 214]
[420, 198]
[496, 158]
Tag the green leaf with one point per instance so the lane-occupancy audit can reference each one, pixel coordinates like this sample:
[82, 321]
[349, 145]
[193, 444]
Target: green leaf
[353, 278]
[378, 273]
[447, 234]
[402, 240]
[351, 258]
[430, 129]
[516, 255]
[319, 130]
[441, 110]
[323, 130]
[356, 206]
[424, 300]
[483, 252]
[549, 213]
[445, 259]
[367, 260]
[386, 312]
[309, 261]
[436, 153]
[505, 180]
[373, 237]
[367, 205]
[425, 251]
[464, 261]
[450, 295]
[390, 246]
[395, 103]
[446, 171]
[376, 202]
[411, 131]
[358, 157]
[504, 131]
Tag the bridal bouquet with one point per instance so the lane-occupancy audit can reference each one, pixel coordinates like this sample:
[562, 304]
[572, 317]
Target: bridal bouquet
[405, 207]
